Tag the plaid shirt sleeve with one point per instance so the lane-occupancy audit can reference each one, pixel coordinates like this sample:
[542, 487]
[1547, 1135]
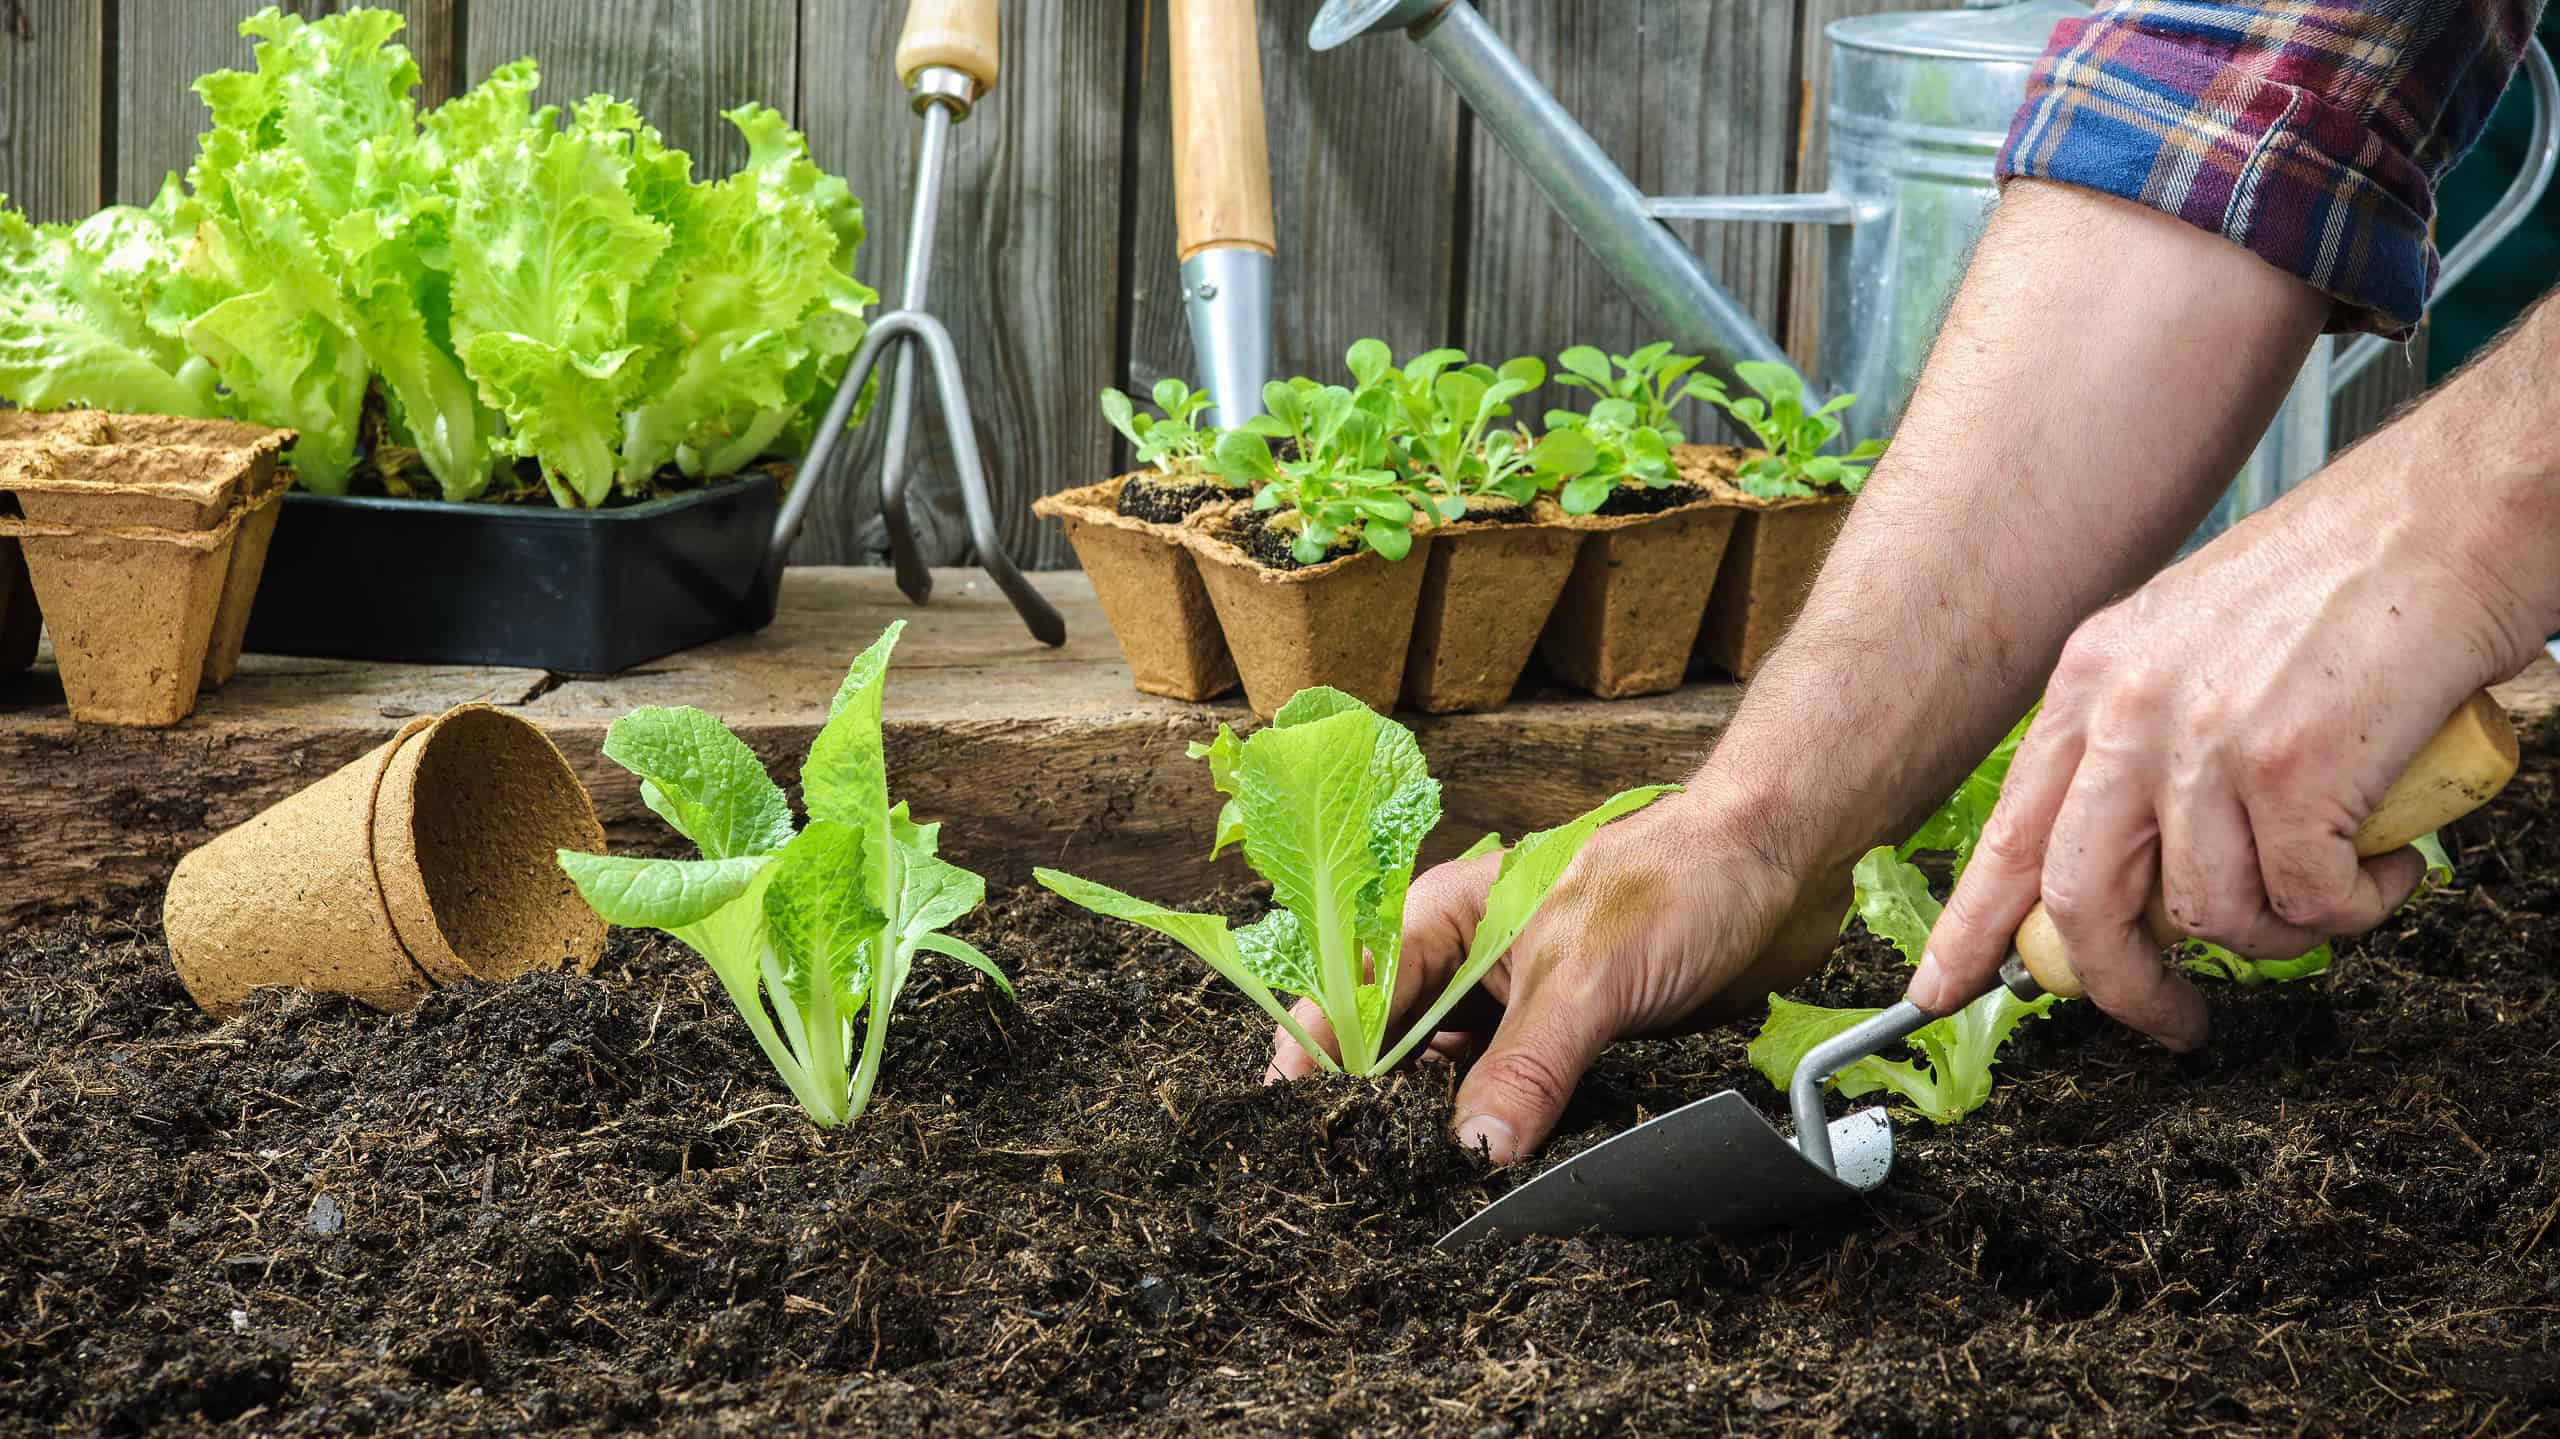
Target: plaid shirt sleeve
[2312, 132]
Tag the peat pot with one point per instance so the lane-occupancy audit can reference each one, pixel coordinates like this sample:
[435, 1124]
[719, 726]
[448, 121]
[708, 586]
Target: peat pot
[1149, 588]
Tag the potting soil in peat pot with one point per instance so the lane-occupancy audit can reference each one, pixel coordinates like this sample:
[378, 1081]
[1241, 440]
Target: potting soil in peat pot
[582, 1204]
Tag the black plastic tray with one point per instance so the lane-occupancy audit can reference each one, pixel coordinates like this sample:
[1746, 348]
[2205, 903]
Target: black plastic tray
[583, 591]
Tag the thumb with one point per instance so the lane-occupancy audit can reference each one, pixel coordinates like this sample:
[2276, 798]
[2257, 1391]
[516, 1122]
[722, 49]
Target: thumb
[1514, 1095]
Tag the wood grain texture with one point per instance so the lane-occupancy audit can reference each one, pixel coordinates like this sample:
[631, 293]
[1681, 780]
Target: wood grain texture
[1690, 97]
[681, 61]
[1364, 183]
[53, 110]
[157, 113]
[1035, 755]
[1026, 263]
[1221, 159]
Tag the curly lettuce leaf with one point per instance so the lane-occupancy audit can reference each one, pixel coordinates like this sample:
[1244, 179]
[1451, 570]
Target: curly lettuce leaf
[77, 317]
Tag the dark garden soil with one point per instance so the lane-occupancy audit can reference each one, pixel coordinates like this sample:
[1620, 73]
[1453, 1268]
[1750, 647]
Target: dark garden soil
[1144, 497]
[1269, 546]
[1651, 499]
[577, 1204]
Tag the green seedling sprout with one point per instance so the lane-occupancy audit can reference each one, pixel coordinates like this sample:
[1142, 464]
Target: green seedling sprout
[1331, 804]
[1172, 441]
[1650, 382]
[1793, 437]
[811, 931]
[1338, 480]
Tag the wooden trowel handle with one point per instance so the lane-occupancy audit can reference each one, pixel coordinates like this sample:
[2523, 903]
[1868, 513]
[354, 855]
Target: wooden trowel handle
[2470, 759]
[1221, 156]
[960, 34]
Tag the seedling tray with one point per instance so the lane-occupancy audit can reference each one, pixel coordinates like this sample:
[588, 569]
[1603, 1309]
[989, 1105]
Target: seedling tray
[580, 591]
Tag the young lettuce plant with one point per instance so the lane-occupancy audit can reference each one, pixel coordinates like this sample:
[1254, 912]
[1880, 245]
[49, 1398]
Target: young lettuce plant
[812, 932]
[1952, 1076]
[1792, 436]
[1173, 441]
[1650, 382]
[1622, 453]
[1337, 480]
[1452, 450]
[1331, 803]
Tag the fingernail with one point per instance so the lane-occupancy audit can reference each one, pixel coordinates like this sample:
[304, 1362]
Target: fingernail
[1925, 983]
[1483, 1134]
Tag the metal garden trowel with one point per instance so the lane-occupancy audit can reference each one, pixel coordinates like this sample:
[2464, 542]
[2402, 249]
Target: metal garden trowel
[1717, 1166]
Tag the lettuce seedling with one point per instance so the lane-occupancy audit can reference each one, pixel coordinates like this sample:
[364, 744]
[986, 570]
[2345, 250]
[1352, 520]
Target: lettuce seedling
[1952, 1076]
[1173, 441]
[1337, 480]
[1792, 436]
[1331, 803]
[1623, 453]
[1649, 382]
[810, 931]
[1452, 450]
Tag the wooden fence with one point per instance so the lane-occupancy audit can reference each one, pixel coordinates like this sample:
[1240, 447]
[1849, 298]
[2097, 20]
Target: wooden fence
[1055, 265]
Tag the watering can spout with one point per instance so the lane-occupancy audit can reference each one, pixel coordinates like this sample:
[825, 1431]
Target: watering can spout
[1604, 207]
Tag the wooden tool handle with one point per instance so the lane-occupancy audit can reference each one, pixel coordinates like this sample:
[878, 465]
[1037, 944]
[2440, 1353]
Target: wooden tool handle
[958, 33]
[1221, 157]
[2470, 759]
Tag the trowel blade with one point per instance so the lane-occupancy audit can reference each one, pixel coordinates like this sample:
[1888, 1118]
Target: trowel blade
[1714, 1166]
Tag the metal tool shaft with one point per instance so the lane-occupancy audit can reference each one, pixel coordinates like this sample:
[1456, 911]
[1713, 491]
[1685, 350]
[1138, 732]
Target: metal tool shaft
[1604, 207]
[1891, 1026]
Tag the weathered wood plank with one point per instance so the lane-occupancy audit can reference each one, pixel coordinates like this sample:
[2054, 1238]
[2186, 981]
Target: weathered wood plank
[1026, 262]
[53, 112]
[1364, 183]
[1690, 97]
[681, 61]
[157, 61]
[1034, 755]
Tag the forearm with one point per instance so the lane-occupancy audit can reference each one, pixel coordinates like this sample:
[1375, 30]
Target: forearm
[2472, 476]
[2103, 373]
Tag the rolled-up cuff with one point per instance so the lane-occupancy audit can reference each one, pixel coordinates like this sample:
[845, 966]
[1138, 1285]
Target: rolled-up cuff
[2197, 129]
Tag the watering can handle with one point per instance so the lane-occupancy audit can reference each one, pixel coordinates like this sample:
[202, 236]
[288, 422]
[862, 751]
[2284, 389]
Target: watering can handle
[954, 34]
[2470, 758]
[2541, 159]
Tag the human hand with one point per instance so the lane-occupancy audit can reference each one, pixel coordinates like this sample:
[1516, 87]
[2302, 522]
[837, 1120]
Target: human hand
[1668, 918]
[2216, 739]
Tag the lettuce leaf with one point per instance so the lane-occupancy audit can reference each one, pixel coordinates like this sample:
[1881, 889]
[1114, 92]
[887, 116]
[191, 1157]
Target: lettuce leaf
[1951, 1078]
[1331, 804]
[812, 932]
[514, 285]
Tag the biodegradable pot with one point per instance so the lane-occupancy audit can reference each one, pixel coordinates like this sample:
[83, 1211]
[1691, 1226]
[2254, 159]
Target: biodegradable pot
[131, 610]
[171, 505]
[1631, 608]
[1487, 591]
[430, 861]
[1149, 587]
[240, 578]
[1769, 565]
[20, 621]
[578, 591]
[1346, 622]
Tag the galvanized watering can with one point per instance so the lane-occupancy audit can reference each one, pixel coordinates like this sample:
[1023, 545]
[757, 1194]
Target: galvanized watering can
[1920, 102]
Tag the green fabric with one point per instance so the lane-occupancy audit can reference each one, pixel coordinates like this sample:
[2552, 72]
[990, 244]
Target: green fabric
[2526, 264]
